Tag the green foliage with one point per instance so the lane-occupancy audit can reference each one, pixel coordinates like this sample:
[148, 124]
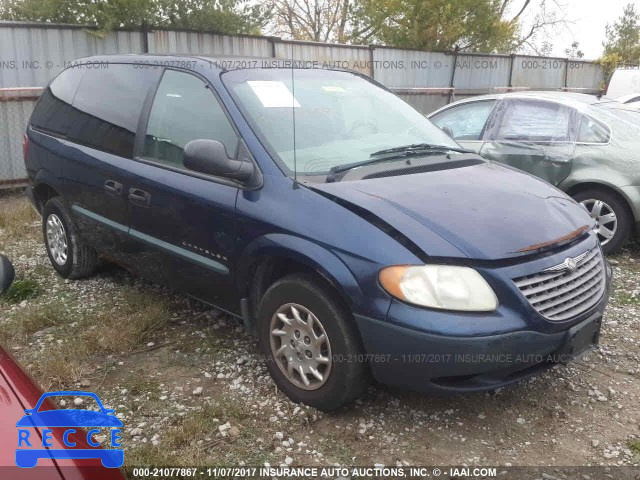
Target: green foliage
[23, 289]
[472, 25]
[622, 46]
[217, 16]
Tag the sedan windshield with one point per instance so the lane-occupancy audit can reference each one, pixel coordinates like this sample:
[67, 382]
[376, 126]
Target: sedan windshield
[316, 120]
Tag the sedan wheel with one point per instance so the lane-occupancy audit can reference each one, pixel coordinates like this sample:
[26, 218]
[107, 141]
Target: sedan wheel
[605, 218]
[613, 219]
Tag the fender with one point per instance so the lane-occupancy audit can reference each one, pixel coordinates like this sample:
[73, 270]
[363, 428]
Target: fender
[306, 252]
[44, 177]
[612, 180]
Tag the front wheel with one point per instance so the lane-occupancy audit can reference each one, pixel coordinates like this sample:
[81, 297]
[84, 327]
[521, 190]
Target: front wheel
[613, 221]
[311, 344]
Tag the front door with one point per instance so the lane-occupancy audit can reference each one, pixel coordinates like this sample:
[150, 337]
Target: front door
[533, 135]
[184, 221]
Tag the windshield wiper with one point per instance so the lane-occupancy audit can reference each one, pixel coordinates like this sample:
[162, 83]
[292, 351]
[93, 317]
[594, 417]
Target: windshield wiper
[388, 154]
[418, 147]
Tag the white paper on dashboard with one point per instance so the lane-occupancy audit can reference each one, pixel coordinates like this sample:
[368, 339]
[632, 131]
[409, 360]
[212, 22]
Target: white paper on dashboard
[273, 94]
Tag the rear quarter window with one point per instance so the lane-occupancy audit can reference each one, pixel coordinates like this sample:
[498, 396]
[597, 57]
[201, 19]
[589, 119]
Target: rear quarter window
[107, 107]
[54, 109]
[592, 131]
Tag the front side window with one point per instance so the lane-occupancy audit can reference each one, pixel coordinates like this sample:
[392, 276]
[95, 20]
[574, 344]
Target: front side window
[466, 121]
[534, 121]
[314, 119]
[185, 109]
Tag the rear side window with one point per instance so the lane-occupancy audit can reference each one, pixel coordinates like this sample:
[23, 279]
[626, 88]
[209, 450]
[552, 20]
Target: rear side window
[184, 109]
[107, 107]
[535, 121]
[465, 121]
[54, 110]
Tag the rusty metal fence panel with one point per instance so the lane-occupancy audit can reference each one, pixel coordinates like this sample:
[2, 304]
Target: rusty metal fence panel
[584, 76]
[324, 55]
[538, 73]
[481, 73]
[397, 68]
[16, 106]
[199, 43]
[31, 55]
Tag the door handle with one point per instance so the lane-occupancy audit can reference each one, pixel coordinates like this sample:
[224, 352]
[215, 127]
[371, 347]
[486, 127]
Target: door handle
[111, 186]
[139, 197]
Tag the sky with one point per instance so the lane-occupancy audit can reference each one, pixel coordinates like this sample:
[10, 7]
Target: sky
[589, 19]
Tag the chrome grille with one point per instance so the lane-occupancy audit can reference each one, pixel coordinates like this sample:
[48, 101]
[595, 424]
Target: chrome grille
[563, 294]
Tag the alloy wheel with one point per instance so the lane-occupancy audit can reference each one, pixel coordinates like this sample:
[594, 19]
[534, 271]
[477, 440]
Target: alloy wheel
[605, 217]
[56, 239]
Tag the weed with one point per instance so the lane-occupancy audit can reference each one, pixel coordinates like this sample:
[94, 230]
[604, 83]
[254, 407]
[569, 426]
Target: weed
[17, 219]
[21, 290]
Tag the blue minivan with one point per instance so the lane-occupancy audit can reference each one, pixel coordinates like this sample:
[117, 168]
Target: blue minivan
[351, 235]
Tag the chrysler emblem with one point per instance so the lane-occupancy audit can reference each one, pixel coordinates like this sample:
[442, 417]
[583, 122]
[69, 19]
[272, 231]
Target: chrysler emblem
[569, 264]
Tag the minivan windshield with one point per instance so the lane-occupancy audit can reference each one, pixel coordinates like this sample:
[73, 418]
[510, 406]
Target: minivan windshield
[338, 117]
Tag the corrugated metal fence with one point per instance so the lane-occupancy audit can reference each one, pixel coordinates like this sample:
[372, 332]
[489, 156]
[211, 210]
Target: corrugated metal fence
[31, 54]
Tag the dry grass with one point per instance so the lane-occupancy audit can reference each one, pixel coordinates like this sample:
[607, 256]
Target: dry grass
[32, 320]
[186, 444]
[128, 325]
[16, 218]
[48, 315]
[62, 367]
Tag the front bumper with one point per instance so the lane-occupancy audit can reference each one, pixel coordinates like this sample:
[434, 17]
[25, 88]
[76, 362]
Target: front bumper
[419, 360]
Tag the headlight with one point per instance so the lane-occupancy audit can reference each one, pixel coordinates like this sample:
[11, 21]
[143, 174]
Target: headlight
[440, 286]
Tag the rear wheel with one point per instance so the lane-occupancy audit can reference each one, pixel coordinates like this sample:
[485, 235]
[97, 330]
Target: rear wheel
[69, 255]
[312, 347]
[612, 217]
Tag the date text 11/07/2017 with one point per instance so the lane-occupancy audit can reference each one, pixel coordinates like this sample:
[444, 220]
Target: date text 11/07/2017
[312, 472]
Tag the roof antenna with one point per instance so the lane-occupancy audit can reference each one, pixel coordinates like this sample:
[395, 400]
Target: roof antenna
[293, 112]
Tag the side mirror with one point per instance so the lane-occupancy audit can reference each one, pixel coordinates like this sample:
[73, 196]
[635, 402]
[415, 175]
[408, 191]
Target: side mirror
[7, 274]
[447, 129]
[210, 157]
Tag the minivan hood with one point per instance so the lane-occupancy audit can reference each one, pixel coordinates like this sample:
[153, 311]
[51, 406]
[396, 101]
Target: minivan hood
[485, 212]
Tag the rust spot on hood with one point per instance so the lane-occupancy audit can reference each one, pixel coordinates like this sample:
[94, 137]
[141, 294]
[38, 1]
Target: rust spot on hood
[563, 239]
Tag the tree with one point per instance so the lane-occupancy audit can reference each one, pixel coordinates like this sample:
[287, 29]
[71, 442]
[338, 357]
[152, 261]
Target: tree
[219, 16]
[471, 25]
[316, 20]
[574, 50]
[622, 44]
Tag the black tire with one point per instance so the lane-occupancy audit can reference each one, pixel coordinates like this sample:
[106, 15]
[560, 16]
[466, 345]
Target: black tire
[81, 259]
[348, 375]
[622, 213]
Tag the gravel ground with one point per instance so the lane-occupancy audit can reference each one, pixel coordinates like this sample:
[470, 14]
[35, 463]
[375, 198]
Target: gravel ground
[190, 386]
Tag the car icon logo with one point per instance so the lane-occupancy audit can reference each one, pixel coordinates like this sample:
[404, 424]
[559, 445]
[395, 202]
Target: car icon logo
[71, 420]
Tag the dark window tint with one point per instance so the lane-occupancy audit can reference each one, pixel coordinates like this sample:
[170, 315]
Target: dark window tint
[54, 109]
[184, 109]
[107, 107]
[466, 121]
[592, 131]
[535, 121]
